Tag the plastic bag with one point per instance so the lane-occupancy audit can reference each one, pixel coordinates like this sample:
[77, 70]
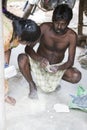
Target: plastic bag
[80, 100]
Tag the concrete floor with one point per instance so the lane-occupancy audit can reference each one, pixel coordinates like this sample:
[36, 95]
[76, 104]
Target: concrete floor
[40, 114]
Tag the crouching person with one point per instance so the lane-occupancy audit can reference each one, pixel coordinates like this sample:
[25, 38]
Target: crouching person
[46, 63]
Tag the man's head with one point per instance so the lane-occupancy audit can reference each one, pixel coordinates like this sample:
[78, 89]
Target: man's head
[62, 15]
[62, 11]
[26, 30]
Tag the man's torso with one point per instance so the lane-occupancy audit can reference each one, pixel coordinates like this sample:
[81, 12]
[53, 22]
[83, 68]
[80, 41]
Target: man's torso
[53, 46]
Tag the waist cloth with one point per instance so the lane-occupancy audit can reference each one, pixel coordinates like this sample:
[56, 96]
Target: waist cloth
[44, 79]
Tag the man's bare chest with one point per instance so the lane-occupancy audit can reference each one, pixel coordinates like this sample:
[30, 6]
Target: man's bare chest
[56, 44]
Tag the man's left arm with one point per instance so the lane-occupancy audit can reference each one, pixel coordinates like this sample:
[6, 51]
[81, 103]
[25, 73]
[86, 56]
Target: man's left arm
[71, 54]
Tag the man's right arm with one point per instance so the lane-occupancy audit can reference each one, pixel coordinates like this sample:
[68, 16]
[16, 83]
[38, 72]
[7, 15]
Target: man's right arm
[34, 55]
[31, 52]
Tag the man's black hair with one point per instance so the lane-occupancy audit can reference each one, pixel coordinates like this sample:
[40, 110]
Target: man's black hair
[62, 11]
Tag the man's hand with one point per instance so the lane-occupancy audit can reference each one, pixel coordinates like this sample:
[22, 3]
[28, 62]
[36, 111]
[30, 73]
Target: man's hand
[44, 62]
[53, 69]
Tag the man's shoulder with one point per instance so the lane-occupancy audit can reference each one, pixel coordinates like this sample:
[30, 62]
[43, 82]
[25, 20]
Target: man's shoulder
[71, 32]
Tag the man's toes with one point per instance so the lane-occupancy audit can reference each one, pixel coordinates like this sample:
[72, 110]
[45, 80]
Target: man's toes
[33, 95]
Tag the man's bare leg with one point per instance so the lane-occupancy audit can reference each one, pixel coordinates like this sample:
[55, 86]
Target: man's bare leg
[10, 100]
[24, 66]
[33, 90]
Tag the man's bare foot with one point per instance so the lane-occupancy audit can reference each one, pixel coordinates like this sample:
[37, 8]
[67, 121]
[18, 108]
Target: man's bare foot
[10, 100]
[33, 91]
[33, 95]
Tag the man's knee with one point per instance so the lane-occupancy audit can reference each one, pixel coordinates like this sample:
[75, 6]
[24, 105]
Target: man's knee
[22, 59]
[76, 77]
[73, 76]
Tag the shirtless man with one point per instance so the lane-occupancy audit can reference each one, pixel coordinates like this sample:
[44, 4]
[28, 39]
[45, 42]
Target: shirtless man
[56, 38]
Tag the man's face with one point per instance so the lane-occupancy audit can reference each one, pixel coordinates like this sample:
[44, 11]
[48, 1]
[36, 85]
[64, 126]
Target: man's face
[60, 26]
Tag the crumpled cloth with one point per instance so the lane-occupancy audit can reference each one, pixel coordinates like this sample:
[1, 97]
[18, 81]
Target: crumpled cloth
[82, 59]
[79, 101]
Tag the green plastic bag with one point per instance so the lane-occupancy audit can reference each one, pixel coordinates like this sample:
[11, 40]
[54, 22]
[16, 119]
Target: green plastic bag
[80, 100]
